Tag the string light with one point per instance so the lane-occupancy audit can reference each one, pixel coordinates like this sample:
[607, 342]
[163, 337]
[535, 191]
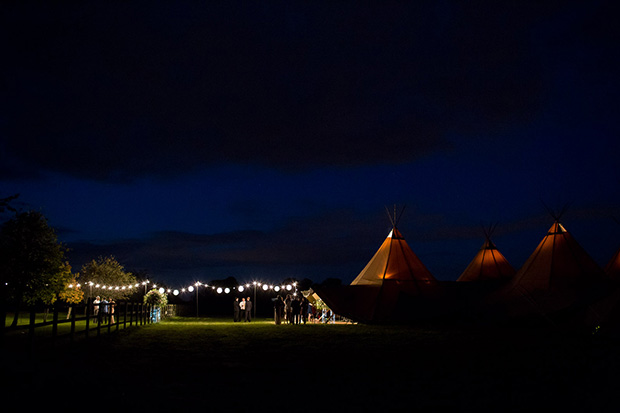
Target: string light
[192, 287]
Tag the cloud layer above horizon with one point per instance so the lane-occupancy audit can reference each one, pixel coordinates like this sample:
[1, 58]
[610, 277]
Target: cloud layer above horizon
[140, 122]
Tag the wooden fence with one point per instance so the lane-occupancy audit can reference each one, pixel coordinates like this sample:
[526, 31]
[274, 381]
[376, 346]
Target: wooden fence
[80, 320]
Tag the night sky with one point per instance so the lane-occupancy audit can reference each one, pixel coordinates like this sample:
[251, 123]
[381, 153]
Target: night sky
[264, 140]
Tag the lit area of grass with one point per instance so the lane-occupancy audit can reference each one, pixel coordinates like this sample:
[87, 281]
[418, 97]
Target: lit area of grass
[215, 364]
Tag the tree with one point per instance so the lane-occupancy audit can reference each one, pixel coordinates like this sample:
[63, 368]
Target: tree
[304, 284]
[110, 276]
[59, 288]
[32, 261]
[71, 294]
[5, 203]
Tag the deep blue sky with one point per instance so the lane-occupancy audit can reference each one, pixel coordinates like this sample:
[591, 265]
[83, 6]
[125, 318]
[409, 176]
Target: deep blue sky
[263, 140]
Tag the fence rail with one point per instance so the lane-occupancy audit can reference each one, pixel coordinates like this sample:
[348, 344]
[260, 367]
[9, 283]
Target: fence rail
[80, 320]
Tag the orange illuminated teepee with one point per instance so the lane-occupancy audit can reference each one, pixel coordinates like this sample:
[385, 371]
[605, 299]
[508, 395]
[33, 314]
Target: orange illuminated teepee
[613, 267]
[394, 261]
[558, 275]
[393, 276]
[489, 264]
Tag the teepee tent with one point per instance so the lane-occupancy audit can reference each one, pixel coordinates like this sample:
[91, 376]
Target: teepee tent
[558, 275]
[395, 261]
[613, 267]
[384, 288]
[604, 314]
[489, 264]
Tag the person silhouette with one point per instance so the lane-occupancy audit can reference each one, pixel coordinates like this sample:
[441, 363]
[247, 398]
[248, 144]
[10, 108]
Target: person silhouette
[242, 309]
[248, 310]
[236, 309]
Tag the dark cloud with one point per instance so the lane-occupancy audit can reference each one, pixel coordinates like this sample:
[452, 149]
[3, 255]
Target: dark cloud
[317, 247]
[112, 92]
[473, 112]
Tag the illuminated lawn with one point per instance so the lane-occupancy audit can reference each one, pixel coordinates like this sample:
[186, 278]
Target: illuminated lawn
[211, 363]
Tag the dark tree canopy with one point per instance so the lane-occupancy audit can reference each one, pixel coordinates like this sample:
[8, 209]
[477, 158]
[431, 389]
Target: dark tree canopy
[5, 203]
[111, 278]
[32, 261]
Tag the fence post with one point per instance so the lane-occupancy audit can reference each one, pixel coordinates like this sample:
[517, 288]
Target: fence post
[72, 333]
[99, 318]
[109, 316]
[115, 316]
[131, 314]
[125, 315]
[55, 321]
[88, 308]
[3, 323]
[31, 327]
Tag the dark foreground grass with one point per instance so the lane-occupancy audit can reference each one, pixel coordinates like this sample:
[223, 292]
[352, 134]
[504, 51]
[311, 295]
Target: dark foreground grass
[213, 365]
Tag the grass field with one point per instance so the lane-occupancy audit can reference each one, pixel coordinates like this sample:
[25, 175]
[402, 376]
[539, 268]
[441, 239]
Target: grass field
[217, 365]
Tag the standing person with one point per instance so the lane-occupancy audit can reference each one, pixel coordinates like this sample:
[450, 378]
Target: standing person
[242, 309]
[288, 313]
[112, 304]
[104, 305]
[96, 308]
[278, 309]
[248, 310]
[303, 309]
[236, 309]
[295, 309]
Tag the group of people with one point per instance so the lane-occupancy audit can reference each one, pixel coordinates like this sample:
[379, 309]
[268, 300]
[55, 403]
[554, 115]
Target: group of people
[242, 310]
[292, 309]
[103, 310]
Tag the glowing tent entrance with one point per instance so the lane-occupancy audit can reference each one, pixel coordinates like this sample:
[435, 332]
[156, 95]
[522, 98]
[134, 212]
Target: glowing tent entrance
[393, 286]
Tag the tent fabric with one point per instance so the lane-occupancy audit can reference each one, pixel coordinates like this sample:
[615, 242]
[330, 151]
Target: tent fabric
[310, 295]
[396, 261]
[373, 304]
[353, 302]
[605, 312]
[558, 264]
[613, 267]
[488, 264]
[391, 278]
[557, 275]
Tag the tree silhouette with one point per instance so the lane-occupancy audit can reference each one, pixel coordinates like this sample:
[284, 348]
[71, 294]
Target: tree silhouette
[32, 261]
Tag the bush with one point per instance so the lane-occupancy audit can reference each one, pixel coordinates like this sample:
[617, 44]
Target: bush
[155, 298]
